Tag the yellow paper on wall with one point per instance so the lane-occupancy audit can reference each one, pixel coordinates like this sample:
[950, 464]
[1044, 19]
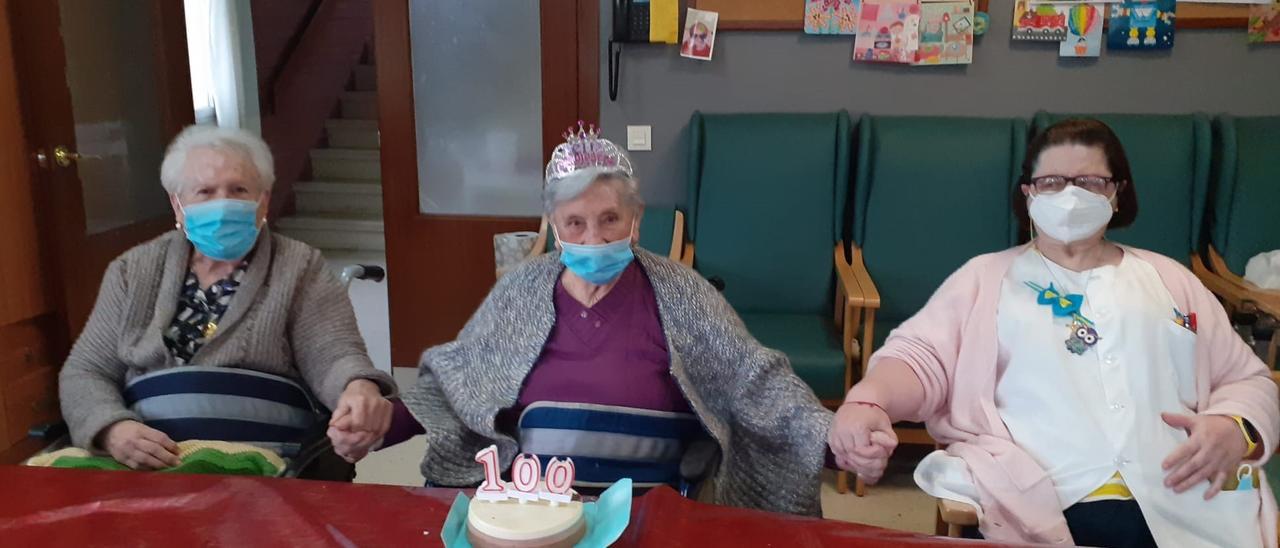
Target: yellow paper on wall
[664, 21]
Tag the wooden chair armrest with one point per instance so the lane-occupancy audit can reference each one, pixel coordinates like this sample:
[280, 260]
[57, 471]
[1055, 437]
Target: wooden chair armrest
[676, 253]
[540, 245]
[686, 258]
[1232, 288]
[870, 295]
[957, 513]
[1232, 292]
[848, 283]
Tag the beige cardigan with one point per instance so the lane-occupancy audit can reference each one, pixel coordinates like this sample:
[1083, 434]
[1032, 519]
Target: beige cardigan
[290, 317]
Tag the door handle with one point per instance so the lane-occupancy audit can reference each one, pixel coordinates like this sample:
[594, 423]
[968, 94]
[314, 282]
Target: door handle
[64, 156]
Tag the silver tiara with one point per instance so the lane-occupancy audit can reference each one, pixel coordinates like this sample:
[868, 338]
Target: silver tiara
[583, 148]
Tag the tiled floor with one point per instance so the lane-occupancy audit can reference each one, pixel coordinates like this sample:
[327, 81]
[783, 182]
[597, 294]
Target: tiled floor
[896, 503]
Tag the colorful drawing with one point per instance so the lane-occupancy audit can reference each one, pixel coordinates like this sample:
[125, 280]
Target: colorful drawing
[831, 16]
[1084, 32]
[946, 33]
[888, 31]
[1036, 21]
[1142, 24]
[1264, 23]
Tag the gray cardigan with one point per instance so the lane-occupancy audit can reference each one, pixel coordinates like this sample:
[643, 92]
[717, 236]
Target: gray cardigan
[290, 317]
[771, 430]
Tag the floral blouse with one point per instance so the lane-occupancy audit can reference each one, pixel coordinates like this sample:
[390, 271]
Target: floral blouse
[199, 311]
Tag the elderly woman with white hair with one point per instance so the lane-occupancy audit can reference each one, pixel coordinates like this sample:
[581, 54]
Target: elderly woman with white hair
[606, 327]
[219, 291]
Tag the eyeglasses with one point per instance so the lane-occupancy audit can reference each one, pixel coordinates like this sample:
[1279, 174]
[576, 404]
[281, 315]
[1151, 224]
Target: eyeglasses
[1050, 184]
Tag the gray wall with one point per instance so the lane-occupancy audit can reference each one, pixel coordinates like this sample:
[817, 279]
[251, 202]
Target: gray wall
[1208, 70]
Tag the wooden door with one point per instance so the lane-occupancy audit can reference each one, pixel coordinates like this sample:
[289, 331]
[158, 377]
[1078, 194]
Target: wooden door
[27, 320]
[112, 85]
[95, 79]
[440, 267]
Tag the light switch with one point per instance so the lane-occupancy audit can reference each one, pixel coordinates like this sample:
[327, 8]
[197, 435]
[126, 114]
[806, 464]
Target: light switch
[639, 138]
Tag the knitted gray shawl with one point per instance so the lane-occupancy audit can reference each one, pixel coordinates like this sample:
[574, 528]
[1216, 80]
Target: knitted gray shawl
[771, 430]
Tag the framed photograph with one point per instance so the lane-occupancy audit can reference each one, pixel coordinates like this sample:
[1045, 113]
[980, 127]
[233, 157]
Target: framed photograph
[699, 40]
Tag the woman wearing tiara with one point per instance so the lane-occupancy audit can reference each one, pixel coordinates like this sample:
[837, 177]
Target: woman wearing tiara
[605, 326]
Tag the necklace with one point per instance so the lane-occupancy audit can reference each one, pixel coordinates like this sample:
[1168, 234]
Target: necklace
[1084, 334]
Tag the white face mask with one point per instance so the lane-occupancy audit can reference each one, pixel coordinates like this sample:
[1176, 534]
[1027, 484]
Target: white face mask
[1070, 215]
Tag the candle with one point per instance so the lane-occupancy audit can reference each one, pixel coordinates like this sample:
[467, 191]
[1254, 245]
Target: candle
[524, 476]
[493, 488]
[527, 477]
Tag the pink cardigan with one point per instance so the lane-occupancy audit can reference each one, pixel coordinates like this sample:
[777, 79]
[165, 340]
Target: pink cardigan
[1018, 499]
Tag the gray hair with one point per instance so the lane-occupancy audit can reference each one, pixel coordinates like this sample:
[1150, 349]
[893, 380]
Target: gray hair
[249, 146]
[566, 189]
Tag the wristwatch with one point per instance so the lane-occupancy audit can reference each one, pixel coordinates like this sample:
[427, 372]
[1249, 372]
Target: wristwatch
[1250, 435]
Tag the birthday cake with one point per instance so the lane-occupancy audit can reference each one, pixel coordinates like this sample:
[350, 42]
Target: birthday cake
[513, 524]
[528, 512]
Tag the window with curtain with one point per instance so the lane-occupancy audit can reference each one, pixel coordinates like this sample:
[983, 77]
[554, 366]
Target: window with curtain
[201, 58]
[223, 70]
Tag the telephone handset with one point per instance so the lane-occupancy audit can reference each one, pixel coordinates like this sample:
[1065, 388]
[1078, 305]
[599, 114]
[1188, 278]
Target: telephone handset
[630, 24]
[640, 21]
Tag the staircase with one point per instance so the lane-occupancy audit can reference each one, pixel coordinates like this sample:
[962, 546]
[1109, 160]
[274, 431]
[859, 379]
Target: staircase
[340, 208]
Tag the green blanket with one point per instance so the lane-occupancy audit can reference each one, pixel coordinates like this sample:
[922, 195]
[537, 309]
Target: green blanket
[197, 457]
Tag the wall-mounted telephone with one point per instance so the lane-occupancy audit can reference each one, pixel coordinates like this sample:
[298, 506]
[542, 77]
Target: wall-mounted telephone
[630, 20]
[639, 21]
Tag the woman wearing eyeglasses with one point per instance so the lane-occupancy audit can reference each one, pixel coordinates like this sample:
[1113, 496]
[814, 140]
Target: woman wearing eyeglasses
[1086, 392]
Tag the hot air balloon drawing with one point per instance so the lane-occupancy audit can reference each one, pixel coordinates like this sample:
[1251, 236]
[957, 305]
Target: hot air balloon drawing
[1081, 20]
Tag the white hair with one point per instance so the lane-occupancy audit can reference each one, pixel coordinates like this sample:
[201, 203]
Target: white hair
[249, 146]
[568, 188]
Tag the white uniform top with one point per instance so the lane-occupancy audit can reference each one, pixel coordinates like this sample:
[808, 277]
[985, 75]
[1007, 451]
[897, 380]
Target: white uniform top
[1083, 417]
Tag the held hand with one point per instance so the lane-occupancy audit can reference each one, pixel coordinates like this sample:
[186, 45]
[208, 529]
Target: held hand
[364, 408]
[360, 421]
[139, 446]
[862, 440]
[1213, 451]
[351, 445]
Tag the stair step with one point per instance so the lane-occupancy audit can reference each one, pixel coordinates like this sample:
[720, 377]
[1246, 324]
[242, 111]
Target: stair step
[345, 133]
[338, 197]
[360, 105]
[346, 164]
[365, 77]
[335, 231]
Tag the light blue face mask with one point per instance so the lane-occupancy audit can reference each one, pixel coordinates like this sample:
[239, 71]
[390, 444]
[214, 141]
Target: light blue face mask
[598, 264]
[222, 230]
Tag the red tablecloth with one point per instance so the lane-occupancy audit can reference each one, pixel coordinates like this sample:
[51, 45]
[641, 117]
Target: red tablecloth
[48, 507]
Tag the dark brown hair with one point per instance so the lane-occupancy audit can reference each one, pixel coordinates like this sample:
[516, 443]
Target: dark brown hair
[1086, 132]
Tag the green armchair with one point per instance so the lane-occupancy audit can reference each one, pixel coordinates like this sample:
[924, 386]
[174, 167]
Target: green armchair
[767, 196]
[1245, 213]
[930, 193]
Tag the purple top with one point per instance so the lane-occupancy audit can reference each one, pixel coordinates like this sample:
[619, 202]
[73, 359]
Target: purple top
[613, 353]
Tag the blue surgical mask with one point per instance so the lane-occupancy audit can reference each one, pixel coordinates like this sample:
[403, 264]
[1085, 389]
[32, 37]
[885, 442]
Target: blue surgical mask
[222, 230]
[598, 264]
